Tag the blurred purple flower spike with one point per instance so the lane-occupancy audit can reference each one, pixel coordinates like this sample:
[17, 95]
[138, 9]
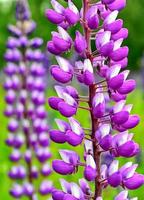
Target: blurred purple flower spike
[25, 99]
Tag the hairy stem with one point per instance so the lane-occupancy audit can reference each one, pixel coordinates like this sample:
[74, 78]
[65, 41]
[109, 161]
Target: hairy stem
[95, 123]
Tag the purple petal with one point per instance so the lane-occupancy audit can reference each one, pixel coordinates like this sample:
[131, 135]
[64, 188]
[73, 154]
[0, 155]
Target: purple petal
[117, 97]
[117, 5]
[54, 16]
[62, 167]
[119, 54]
[58, 194]
[134, 182]
[60, 75]
[54, 101]
[71, 17]
[88, 77]
[123, 62]
[106, 142]
[116, 82]
[114, 27]
[66, 110]
[129, 149]
[123, 33]
[127, 87]
[106, 49]
[131, 122]
[73, 138]
[120, 117]
[99, 110]
[108, 1]
[58, 136]
[80, 43]
[92, 18]
[52, 49]
[61, 44]
[89, 173]
[115, 179]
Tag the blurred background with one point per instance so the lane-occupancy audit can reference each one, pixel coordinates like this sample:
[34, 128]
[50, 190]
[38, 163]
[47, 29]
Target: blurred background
[133, 17]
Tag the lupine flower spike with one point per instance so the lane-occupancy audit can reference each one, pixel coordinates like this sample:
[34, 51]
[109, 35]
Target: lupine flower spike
[25, 98]
[103, 72]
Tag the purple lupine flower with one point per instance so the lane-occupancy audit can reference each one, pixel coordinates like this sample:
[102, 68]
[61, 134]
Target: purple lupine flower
[25, 99]
[60, 15]
[101, 71]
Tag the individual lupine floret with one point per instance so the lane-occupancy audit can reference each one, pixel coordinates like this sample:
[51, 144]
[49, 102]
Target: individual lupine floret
[72, 190]
[116, 5]
[75, 135]
[63, 16]
[65, 103]
[68, 164]
[63, 72]
[104, 137]
[99, 103]
[80, 44]
[85, 72]
[92, 18]
[126, 176]
[123, 145]
[111, 24]
[124, 195]
[90, 171]
[61, 42]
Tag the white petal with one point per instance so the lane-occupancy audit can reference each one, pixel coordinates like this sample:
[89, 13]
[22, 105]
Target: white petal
[68, 99]
[88, 146]
[57, 6]
[125, 73]
[123, 139]
[119, 106]
[63, 64]
[122, 195]
[105, 129]
[59, 90]
[75, 126]
[113, 167]
[64, 185]
[127, 165]
[130, 136]
[128, 107]
[88, 65]
[105, 37]
[111, 17]
[90, 161]
[99, 198]
[117, 44]
[99, 98]
[79, 65]
[76, 191]
[64, 155]
[60, 124]
[113, 71]
[131, 171]
[104, 171]
[72, 7]
[64, 34]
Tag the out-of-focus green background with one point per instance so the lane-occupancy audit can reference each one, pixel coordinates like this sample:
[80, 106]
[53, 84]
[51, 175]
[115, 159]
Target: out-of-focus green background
[133, 17]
